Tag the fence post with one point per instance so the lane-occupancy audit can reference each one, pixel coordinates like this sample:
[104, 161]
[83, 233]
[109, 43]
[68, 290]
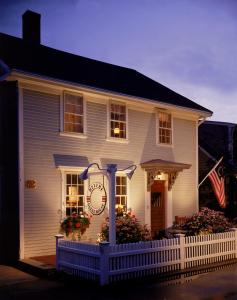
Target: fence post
[104, 263]
[181, 238]
[235, 231]
[58, 237]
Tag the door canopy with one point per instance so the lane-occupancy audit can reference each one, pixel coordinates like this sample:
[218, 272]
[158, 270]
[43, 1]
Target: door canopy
[157, 166]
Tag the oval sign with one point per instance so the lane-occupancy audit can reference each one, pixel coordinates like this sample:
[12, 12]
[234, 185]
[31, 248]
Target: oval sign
[97, 199]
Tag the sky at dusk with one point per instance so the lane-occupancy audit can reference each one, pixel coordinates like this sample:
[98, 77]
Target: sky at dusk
[189, 46]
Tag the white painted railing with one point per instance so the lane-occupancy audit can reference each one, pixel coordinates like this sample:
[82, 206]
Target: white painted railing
[124, 261]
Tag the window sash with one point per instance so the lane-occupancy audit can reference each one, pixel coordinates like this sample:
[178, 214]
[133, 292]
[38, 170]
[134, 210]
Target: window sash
[74, 193]
[165, 128]
[121, 191]
[73, 113]
[118, 119]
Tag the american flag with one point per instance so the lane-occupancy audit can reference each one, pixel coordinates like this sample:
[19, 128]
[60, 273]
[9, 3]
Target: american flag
[218, 184]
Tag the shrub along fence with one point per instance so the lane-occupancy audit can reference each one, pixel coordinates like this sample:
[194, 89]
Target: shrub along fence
[107, 264]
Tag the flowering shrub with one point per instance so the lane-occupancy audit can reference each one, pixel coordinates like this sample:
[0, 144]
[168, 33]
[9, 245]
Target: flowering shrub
[128, 230]
[75, 225]
[205, 222]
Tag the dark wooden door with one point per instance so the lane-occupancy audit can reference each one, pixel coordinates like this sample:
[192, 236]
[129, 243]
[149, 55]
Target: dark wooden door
[157, 206]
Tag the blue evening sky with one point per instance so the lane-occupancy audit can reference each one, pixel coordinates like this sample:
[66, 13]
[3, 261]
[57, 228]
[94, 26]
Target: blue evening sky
[188, 45]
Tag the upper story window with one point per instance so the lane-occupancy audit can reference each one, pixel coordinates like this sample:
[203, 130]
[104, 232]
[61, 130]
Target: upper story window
[73, 113]
[118, 120]
[74, 193]
[164, 128]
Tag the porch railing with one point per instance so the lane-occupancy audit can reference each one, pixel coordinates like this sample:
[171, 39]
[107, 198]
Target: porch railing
[108, 264]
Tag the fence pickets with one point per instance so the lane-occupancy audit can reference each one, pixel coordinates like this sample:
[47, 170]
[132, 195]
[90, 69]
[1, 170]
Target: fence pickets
[126, 261]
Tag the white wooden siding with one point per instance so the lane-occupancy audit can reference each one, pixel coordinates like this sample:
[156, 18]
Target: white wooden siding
[42, 139]
[184, 190]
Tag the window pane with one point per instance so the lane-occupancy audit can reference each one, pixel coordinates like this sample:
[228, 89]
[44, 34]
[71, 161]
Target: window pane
[118, 180]
[117, 190]
[117, 200]
[74, 179]
[80, 202]
[68, 179]
[77, 128]
[123, 201]
[81, 190]
[124, 190]
[124, 180]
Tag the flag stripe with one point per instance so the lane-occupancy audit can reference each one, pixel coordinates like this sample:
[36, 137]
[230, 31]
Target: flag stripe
[218, 185]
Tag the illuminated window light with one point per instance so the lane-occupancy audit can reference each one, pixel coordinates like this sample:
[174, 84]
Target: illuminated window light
[116, 130]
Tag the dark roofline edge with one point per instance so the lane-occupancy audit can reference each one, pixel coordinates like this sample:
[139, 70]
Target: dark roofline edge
[206, 113]
[220, 123]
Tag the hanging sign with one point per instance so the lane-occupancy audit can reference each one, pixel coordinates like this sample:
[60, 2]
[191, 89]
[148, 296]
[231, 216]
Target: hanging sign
[96, 200]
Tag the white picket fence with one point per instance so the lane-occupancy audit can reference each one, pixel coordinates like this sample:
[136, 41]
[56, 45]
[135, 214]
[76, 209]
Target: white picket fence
[108, 264]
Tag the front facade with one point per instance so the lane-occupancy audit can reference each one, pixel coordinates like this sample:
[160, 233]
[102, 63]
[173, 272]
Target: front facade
[65, 125]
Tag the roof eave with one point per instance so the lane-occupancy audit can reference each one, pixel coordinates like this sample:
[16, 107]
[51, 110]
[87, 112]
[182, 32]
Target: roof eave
[201, 113]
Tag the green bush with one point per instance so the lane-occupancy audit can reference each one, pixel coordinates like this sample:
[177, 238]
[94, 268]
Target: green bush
[128, 230]
[205, 222]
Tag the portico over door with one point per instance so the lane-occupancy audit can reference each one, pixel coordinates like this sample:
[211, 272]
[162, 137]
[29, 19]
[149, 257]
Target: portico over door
[157, 166]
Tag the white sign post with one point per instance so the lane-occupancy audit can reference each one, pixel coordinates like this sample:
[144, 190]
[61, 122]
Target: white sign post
[111, 171]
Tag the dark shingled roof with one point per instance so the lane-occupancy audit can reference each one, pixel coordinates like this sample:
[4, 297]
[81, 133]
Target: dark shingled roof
[49, 62]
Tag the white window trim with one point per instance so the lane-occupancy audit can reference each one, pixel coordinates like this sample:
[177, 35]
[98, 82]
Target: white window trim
[114, 139]
[64, 172]
[157, 130]
[122, 173]
[73, 134]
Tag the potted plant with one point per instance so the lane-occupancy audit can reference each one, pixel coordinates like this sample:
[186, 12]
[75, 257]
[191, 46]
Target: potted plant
[75, 225]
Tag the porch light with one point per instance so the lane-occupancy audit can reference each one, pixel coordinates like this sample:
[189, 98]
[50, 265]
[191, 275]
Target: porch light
[116, 130]
[111, 170]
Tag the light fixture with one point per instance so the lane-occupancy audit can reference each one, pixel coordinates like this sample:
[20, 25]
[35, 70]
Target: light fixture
[116, 130]
[84, 174]
[130, 173]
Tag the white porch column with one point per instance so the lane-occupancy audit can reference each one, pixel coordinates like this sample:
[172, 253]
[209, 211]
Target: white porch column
[111, 170]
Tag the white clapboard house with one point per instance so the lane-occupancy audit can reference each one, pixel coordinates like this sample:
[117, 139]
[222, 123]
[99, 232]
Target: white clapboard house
[61, 112]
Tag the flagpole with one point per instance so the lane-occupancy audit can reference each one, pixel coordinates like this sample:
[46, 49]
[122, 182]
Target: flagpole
[211, 171]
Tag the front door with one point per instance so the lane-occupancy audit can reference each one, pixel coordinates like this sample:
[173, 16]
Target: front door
[157, 206]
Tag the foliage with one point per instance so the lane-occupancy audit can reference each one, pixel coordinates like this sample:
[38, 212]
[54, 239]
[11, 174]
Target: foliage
[205, 222]
[75, 225]
[128, 230]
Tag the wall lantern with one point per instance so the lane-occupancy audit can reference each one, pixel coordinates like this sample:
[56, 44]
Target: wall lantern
[110, 171]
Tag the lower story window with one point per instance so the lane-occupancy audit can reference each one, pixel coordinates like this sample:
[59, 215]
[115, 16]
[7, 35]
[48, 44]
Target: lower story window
[121, 193]
[74, 194]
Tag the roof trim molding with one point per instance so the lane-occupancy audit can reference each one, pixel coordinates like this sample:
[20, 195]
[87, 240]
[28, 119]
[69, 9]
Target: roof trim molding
[27, 76]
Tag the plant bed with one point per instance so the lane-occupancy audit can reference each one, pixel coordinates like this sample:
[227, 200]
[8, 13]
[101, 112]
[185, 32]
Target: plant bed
[128, 230]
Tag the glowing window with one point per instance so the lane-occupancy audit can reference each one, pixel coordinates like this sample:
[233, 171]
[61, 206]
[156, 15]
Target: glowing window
[74, 194]
[118, 121]
[121, 192]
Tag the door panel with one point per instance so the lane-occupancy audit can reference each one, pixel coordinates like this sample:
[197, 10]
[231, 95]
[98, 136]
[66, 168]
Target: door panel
[157, 206]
